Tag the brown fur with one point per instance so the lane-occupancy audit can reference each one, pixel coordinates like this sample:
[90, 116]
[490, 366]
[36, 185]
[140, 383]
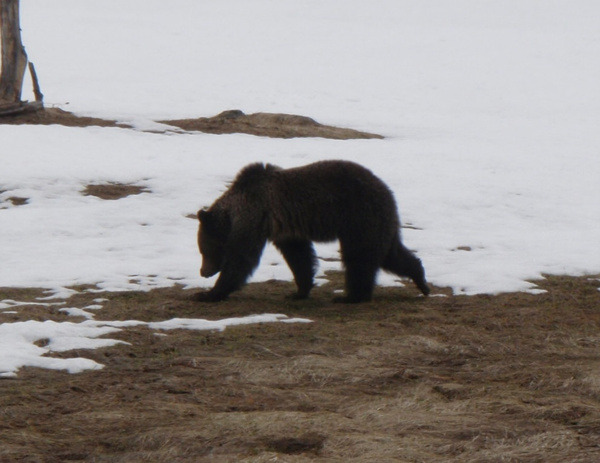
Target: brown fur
[321, 202]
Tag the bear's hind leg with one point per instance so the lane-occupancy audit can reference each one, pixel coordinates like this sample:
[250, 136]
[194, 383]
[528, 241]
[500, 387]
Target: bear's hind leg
[361, 269]
[301, 258]
[404, 263]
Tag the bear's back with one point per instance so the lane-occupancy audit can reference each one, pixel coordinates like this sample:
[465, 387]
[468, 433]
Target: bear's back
[328, 199]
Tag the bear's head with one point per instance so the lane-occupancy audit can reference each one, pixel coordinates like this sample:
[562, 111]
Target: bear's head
[213, 231]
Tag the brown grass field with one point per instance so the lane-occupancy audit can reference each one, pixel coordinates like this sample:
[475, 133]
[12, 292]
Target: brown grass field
[506, 378]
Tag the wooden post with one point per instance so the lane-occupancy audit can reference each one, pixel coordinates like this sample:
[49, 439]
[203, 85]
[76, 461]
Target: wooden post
[14, 58]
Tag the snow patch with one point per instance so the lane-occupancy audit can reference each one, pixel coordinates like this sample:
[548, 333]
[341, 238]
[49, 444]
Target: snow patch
[18, 340]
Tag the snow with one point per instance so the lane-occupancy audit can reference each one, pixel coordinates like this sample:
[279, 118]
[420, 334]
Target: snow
[490, 111]
[18, 348]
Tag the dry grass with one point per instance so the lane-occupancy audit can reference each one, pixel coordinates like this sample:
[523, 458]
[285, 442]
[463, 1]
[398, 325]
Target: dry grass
[232, 121]
[507, 378]
[113, 190]
[268, 125]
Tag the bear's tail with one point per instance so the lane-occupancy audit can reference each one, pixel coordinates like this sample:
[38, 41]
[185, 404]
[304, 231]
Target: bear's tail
[404, 263]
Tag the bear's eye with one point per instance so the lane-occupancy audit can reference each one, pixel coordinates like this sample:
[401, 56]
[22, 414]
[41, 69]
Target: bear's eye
[210, 245]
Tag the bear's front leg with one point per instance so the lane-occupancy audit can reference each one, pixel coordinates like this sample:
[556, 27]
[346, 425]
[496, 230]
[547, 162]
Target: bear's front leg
[236, 270]
[229, 280]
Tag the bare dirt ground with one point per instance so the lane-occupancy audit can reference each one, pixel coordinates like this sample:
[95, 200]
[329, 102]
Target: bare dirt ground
[513, 377]
[267, 124]
[232, 121]
[50, 116]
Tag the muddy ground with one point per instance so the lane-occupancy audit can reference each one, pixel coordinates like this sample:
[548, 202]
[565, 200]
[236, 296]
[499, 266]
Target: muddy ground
[513, 377]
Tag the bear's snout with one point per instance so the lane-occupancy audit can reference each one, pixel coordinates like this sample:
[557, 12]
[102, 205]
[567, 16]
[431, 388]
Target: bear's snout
[207, 271]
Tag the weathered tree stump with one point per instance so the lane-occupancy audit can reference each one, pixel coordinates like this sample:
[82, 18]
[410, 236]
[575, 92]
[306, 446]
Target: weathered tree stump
[14, 63]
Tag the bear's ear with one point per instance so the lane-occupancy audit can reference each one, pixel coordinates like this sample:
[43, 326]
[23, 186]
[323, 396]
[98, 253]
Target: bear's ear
[204, 215]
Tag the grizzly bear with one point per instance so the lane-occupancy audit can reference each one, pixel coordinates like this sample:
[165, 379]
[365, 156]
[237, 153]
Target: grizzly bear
[320, 202]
